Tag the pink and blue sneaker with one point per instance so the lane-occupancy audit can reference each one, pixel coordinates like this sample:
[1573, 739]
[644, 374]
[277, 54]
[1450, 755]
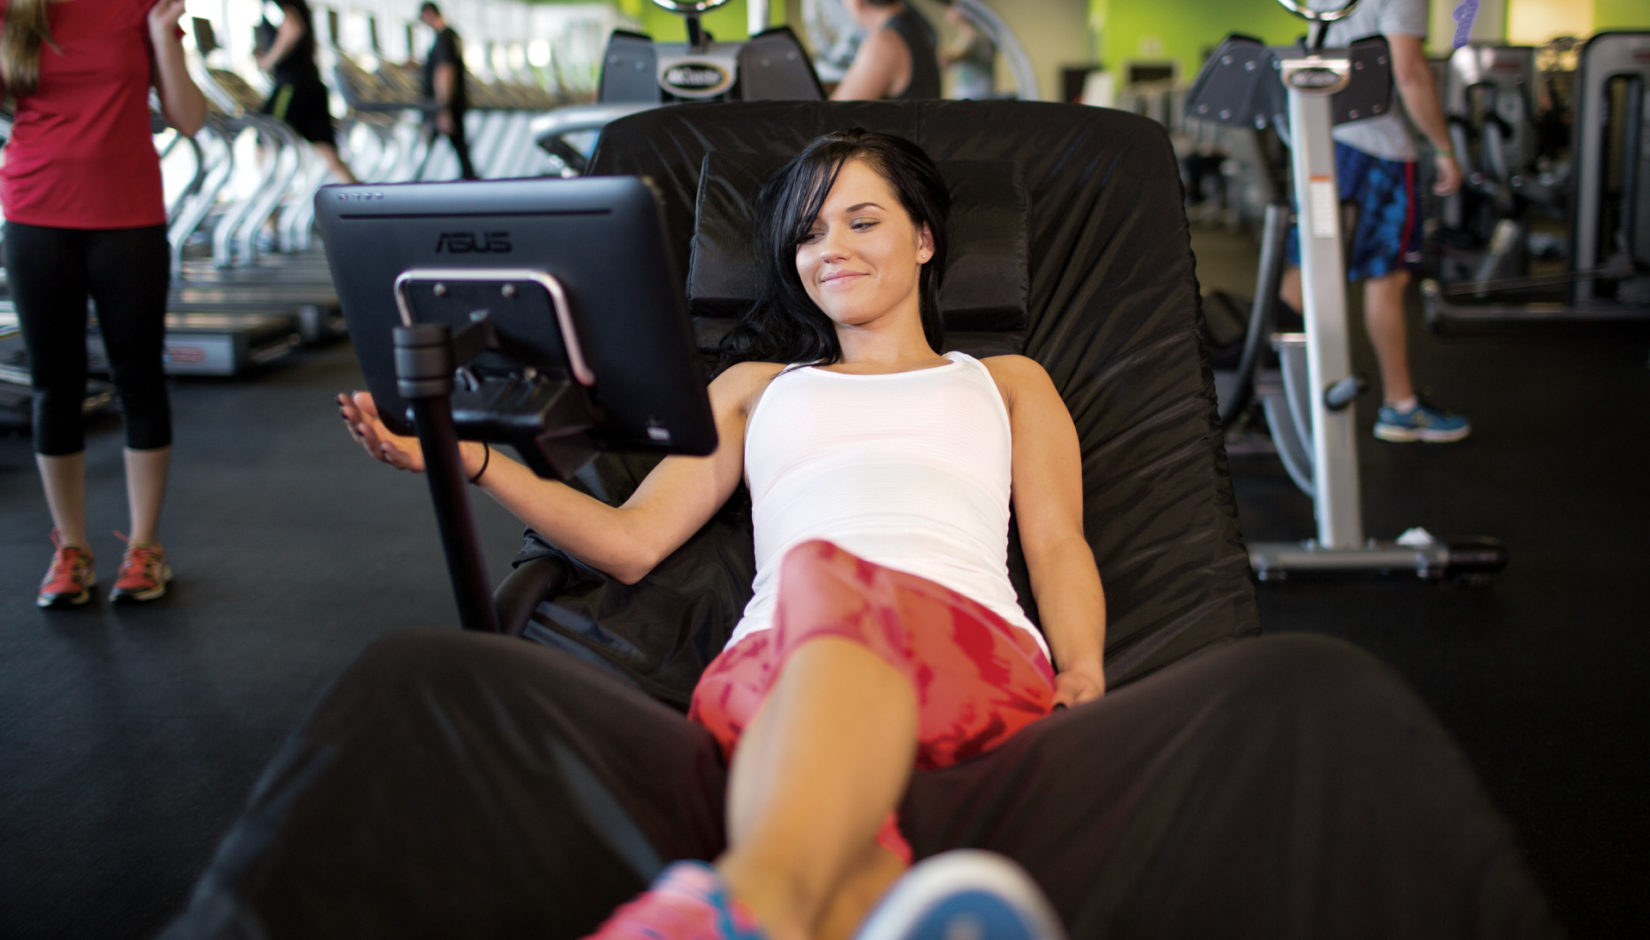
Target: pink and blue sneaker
[965, 893]
[688, 901]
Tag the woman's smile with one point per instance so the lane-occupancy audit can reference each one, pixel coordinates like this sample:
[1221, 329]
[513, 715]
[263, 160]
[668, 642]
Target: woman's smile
[842, 278]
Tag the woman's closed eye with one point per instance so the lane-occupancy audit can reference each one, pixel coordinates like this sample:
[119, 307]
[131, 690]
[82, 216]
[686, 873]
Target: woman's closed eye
[857, 225]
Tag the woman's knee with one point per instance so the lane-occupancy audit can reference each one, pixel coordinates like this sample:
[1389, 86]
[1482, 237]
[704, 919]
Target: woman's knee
[58, 413]
[809, 567]
[147, 409]
[808, 557]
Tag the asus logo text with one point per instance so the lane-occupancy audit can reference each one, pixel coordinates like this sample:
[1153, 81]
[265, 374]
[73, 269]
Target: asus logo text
[464, 243]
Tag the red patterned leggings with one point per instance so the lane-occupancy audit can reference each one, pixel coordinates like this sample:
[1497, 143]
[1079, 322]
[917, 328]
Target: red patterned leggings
[977, 678]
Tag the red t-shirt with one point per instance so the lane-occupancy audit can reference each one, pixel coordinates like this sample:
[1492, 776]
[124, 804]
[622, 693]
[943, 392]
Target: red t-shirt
[81, 154]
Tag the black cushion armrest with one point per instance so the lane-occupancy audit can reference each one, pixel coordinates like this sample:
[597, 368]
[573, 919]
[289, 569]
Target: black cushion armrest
[525, 586]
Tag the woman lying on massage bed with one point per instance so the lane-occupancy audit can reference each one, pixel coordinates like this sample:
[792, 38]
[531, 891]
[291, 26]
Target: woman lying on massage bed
[884, 633]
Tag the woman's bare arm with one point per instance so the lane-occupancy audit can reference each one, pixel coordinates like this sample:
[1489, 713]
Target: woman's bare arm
[181, 101]
[880, 65]
[1048, 508]
[627, 541]
[287, 36]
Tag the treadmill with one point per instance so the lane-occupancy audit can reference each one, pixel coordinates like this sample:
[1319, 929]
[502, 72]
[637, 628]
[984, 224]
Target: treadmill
[210, 336]
[240, 272]
[229, 314]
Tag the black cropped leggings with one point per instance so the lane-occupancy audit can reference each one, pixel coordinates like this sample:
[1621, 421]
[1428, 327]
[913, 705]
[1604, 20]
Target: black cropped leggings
[127, 273]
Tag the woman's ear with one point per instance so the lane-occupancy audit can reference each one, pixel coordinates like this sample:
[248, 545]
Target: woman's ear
[925, 244]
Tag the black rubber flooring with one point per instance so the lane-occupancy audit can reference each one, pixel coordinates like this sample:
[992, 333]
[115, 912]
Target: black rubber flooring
[130, 738]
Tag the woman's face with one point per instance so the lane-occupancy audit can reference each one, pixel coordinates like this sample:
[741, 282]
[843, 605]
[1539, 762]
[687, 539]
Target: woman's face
[863, 257]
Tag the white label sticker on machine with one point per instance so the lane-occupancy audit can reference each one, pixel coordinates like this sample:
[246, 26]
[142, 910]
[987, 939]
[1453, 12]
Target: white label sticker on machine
[1325, 206]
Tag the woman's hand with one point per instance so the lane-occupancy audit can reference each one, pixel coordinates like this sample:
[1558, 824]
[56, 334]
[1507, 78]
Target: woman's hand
[164, 17]
[1079, 684]
[360, 414]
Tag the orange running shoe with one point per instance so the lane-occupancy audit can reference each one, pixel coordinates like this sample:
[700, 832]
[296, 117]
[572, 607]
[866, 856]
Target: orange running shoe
[143, 575]
[70, 579]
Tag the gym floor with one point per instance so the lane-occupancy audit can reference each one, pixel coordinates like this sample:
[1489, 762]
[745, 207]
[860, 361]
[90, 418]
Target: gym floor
[129, 738]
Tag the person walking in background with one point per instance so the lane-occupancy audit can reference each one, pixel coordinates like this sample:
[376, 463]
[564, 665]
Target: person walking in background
[85, 216]
[444, 87]
[300, 97]
[897, 57]
[1375, 166]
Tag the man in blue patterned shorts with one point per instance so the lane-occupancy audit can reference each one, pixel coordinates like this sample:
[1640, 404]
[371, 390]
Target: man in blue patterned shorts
[1375, 165]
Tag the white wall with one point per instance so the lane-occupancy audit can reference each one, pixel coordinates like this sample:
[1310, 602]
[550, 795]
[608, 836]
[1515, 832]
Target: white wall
[1055, 34]
[1533, 22]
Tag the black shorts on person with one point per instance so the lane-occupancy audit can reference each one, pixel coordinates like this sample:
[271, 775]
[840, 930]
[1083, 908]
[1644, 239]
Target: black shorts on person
[303, 106]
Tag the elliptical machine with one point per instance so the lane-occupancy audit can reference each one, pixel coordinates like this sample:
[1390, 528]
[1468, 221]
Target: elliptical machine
[1303, 92]
[639, 74]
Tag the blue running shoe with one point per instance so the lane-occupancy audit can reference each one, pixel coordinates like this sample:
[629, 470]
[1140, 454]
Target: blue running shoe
[966, 894]
[1422, 423]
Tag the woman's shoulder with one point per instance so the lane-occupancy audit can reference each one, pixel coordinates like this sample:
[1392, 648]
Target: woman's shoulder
[743, 381]
[749, 371]
[1014, 366]
[1018, 377]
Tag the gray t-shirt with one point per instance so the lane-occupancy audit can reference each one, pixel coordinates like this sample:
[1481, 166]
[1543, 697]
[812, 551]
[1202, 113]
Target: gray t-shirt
[1390, 135]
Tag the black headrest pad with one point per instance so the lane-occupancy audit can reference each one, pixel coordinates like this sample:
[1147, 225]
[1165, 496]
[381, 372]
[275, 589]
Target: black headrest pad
[985, 283]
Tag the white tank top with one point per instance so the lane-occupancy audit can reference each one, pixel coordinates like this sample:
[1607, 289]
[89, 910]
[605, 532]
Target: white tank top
[909, 470]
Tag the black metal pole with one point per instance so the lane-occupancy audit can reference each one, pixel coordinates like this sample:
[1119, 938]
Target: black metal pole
[424, 375]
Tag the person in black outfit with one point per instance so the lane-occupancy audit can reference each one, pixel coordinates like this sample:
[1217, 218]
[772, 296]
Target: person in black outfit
[444, 87]
[299, 97]
[897, 58]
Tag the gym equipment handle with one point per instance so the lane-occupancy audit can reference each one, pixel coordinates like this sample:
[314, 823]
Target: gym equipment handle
[1337, 396]
[1318, 16]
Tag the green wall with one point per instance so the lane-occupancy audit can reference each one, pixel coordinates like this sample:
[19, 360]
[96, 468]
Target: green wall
[1620, 14]
[1125, 31]
[726, 23]
[1182, 30]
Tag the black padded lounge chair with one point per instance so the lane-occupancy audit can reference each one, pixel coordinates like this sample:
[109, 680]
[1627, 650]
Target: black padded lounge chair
[460, 784]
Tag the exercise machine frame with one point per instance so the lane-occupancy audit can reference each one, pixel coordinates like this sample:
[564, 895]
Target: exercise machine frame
[1240, 86]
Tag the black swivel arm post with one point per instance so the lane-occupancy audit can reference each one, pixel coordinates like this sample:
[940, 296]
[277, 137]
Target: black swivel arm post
[424, 364]
[469, 364]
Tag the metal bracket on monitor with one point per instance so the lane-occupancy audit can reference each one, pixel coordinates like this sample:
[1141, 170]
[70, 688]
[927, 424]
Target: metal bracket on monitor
[576, 361]
[539, 406]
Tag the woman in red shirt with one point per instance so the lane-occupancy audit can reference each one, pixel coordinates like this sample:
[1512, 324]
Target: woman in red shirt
[80, 186]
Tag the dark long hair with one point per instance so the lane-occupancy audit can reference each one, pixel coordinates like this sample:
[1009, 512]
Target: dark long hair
[784, 325]
[26, 29]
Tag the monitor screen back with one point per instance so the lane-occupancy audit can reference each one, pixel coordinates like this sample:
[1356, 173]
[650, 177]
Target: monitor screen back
[601, 238]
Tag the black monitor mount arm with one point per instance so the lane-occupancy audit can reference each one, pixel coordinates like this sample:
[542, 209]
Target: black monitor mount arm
[544, 413]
